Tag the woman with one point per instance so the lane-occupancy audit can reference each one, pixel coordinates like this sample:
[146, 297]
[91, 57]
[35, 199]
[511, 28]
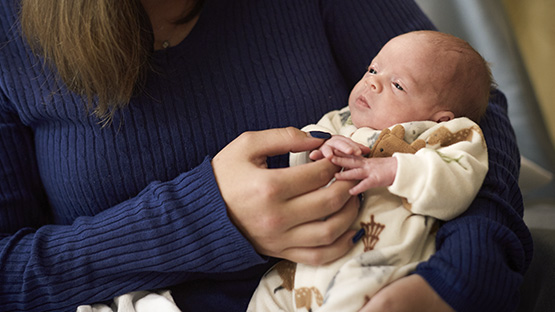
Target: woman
[107, 181]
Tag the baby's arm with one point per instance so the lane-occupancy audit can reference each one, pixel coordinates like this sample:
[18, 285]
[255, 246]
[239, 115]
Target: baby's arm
[340, 146]
[442, 179]
[372, 172]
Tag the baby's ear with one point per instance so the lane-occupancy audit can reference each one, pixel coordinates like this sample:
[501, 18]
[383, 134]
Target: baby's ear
[442, 116]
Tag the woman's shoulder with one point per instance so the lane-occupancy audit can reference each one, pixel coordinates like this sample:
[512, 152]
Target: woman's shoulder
[10, 29]
[8, 14]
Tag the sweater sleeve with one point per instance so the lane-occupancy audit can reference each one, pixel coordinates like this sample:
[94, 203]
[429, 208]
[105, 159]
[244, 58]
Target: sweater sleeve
[442, 179]
[481, 255]
[178, 227]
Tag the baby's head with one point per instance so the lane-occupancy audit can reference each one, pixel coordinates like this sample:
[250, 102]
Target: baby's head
[422, 75]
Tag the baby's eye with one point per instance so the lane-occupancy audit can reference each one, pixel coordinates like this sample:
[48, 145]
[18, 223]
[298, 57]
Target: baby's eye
[372, 71]
[398, 86]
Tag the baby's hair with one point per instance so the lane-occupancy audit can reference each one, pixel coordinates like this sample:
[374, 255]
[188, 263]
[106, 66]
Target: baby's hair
[472, 76]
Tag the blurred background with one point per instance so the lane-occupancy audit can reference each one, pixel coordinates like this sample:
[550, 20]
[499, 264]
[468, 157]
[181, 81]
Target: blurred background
[518, 39]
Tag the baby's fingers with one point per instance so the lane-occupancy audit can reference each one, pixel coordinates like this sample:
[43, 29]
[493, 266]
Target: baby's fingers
[361, 187]
[348, 161]
[350, 147]
[351, 174]
[316, 155]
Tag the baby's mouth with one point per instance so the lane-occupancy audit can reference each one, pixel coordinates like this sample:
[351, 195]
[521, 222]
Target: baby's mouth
[361, 101]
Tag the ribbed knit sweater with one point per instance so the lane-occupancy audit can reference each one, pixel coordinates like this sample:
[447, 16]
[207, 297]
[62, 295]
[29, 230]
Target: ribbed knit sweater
[90, 212]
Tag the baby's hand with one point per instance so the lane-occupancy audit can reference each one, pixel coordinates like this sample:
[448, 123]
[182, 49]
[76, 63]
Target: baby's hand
[372, 172]
[339, 145]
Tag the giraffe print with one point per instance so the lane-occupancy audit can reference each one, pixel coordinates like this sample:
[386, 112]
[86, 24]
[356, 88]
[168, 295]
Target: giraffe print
[286, 270]
[304, 295]
[445, 137]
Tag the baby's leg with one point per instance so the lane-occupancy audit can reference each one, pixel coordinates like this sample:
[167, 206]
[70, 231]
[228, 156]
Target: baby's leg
[360, 279]
[136, 301]
[274, 293]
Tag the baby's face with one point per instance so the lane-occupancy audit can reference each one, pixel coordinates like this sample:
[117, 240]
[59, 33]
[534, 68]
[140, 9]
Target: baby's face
[403, 83]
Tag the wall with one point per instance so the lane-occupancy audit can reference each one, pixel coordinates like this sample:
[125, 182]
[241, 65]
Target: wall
[534, 26]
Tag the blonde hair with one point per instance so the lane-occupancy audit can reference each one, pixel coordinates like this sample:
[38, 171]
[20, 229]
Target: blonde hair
[100, 48]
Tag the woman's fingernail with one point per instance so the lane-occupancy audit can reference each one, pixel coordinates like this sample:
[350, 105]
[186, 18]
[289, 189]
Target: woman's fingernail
[320, 135]
[358, 235]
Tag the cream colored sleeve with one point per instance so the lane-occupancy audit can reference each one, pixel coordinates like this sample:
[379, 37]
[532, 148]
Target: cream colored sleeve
[442, 181]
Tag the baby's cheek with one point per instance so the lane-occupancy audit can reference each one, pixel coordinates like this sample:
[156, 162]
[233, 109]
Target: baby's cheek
[352, 98]
[356, 91]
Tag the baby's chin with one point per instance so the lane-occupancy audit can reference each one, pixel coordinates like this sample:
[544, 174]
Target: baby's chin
[376, 125]
[360, 123]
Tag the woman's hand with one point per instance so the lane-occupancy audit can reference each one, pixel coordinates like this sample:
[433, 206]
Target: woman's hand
[285, 212]
[408, 294]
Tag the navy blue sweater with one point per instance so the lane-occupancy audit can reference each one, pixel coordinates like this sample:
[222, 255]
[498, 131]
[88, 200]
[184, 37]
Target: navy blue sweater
[87, 213]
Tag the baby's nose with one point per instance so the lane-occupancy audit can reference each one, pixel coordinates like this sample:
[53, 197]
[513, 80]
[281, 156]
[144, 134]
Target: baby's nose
[374, 84]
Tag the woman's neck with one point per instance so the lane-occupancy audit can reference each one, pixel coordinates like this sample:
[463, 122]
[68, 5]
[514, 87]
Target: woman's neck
[163, 15]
